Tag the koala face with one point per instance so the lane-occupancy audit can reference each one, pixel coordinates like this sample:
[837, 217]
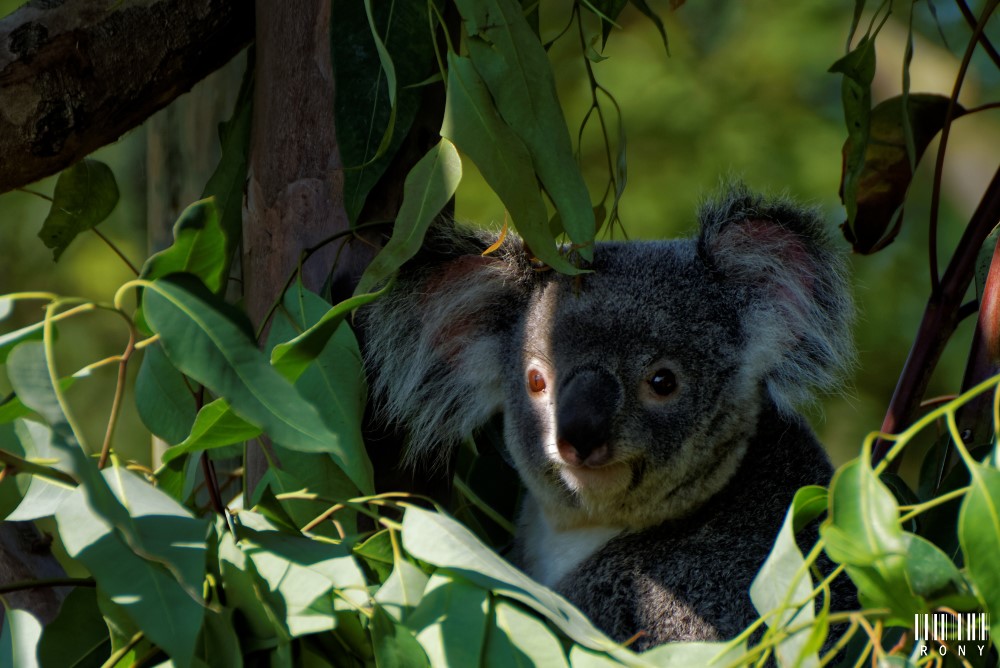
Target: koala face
[622, 390]
[628, 392]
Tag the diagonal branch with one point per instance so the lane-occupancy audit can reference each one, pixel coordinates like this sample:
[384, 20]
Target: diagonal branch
[77, 75]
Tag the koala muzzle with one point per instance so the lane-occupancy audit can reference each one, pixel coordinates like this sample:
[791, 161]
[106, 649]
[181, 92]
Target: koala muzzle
[585, 408]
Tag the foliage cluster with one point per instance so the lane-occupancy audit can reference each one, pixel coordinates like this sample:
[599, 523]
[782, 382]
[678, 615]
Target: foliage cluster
[316, 567]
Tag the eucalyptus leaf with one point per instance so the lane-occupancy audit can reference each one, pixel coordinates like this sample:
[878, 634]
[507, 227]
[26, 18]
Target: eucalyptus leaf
[402, 591]
[515, 68]
[473, 124]
[78, 636]
[199, 248]
[162, 398]
[530, 635]
[428, 188]
[450, 621]
[979, 535]
[215, 426]
[394, 644]
[85, 195]
[206, 345]
[19, 639]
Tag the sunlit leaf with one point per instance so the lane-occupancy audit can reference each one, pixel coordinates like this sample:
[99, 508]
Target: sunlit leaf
[450, 621]
[85, 195]
[209, 347]
[19, 639]
[428, 188]
[515, 68]
[215, 426]
[199, 248]
[475, 127]
[402, 591]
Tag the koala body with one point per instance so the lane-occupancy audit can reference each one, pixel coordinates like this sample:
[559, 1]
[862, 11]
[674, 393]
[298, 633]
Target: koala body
[647, 404]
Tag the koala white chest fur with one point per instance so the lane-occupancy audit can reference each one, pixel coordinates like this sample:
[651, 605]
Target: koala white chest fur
[648, 405]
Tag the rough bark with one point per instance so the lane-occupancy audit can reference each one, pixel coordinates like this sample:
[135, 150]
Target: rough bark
[76, 74]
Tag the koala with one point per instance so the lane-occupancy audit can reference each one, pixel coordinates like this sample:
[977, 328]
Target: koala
[648, 405]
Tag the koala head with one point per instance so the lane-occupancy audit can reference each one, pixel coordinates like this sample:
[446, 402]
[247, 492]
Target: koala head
[629, 393]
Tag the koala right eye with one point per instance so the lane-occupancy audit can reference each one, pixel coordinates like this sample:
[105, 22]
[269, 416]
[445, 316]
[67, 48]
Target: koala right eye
[536, 381]
[663, 382]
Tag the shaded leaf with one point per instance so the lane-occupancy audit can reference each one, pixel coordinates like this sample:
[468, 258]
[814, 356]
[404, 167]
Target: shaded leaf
[10, 339]
[428, 188]
[376, 99]
[205, 345]
[450, 621]
[199, 248]
[215, 426]
[879, 187]
[78, 637]
[979, 535]
[530, 635]
[475, 127]
[394, 644]
[515, 68]
[162, 398]
[85, 195]
[606, 9]
[644, 7]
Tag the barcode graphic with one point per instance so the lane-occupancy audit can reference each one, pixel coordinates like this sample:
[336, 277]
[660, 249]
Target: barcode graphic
[944, 627]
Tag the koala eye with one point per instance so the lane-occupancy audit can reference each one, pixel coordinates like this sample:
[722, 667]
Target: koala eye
[663, 382]
[536, 381]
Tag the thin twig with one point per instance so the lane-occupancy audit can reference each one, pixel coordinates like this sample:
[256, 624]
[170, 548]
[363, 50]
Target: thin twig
[987, 45]
[46, 582]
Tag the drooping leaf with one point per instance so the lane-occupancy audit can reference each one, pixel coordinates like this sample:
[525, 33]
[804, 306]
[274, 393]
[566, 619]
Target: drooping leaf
[606, 9]
[19, 639]
[472, 123]
[783, 582]
[858, 69]
[85, 195]
[10, 339]
[648, 12]
[515, 68]
[209, 347]
[78, 637]
[162, 398]
[930, 572]
[530, 635]
[439, 540]
[215, 426]
[428, 188]
[450, 621]
[156, 588]
[43, 495]
[394, 644]
[979, 535]
[377, 98]
[228, 182]
[880, 186]
[199, 248]
[863, 533]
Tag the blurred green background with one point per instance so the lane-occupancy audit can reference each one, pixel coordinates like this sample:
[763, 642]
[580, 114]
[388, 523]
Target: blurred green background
[745, 91]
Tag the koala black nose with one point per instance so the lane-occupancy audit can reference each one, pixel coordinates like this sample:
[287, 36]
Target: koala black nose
[585, 407]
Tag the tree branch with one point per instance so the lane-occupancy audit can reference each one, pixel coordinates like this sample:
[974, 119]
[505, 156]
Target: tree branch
[76, 75]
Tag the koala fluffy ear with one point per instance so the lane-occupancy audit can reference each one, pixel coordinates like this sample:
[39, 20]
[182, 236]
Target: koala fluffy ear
[435, 345]
[789, 283]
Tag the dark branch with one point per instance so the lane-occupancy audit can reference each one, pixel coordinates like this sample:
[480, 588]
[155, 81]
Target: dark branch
[76, 75]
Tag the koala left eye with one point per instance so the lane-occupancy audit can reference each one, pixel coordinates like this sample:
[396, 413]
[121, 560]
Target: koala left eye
[663, 382]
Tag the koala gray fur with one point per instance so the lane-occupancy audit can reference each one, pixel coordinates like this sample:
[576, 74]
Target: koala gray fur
[648, 406]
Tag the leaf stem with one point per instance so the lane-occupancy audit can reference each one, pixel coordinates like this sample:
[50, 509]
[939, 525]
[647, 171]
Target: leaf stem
[46, 582]
[116, 250]
[16, 464]
[123, 650]
[116, 404]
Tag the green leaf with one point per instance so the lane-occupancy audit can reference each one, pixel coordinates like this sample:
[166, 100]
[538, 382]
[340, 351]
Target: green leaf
[684, 654]
[43, 495]
[930, 572]
[580, 657]
[530, 635]
[162, 398]
[643, 7]
[377, 553]
[428, 188]
[979, 535]
[378, 57]
[450, 621]
[207, 346]
[215, 426]
[515, 68]
[199, 248]
[607, 11]
[863, 533]
[472, 123]
[85, 195]
[783, 582]
[302, 572]
[157, 586]
[11, 339]
[19, 640]
[220, 644]
[439, 540]
[291, 358]
[78, 637]
[228, 181]
[394, 644]
[402, 591]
